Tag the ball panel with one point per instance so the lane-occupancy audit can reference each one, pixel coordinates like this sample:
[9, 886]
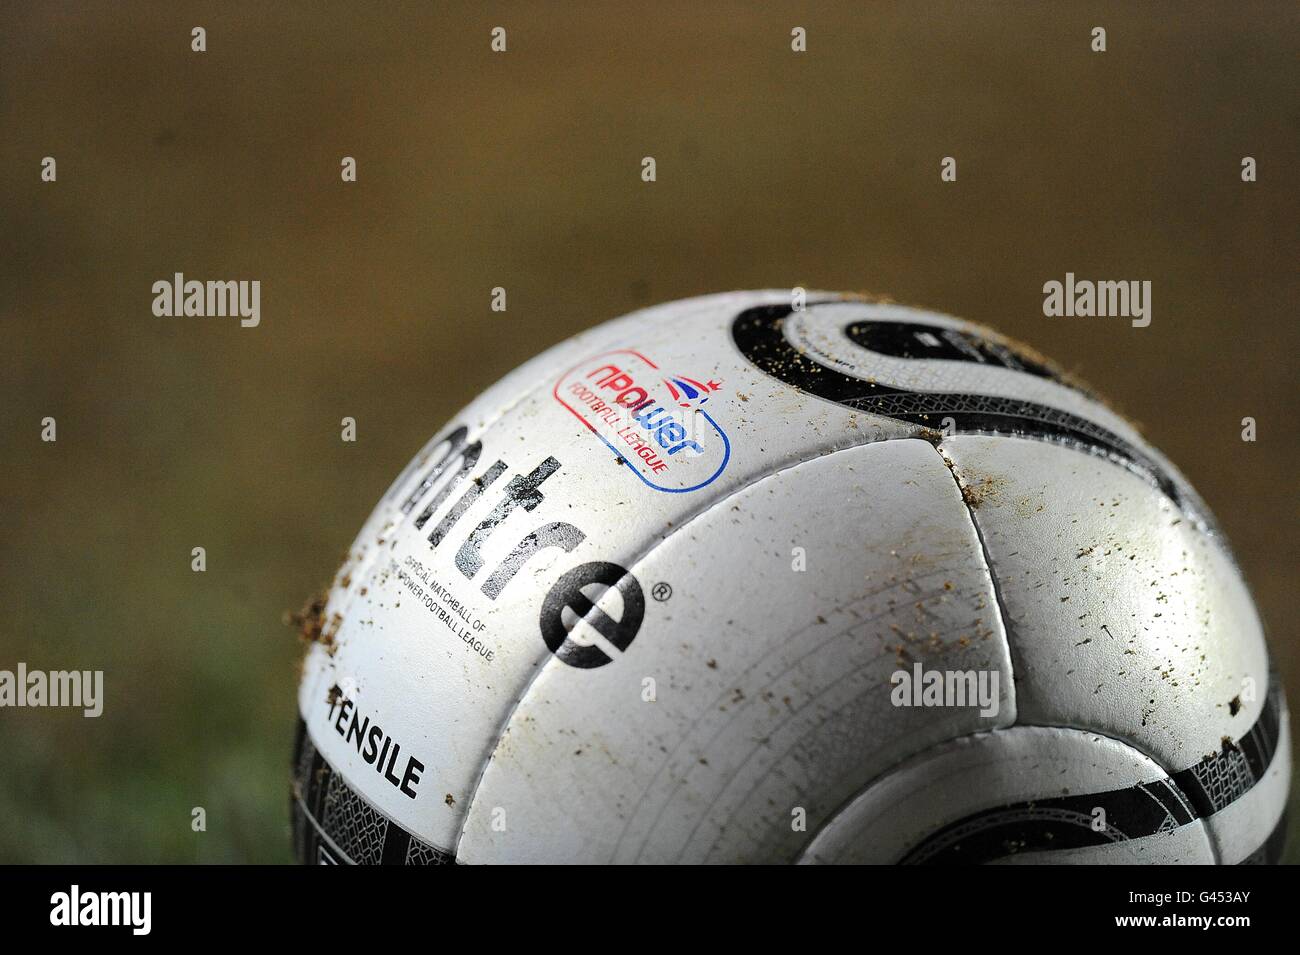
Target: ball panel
[1122, 617]
[1045, 793]
[772, 685]
[832, 334]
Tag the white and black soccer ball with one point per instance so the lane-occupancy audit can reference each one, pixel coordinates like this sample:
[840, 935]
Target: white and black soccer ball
[744, 578]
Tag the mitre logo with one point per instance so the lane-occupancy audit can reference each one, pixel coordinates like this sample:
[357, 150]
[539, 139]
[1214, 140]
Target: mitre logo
[652, 422]
[574, 598]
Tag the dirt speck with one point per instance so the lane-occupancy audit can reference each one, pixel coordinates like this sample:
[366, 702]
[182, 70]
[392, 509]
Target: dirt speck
[979, 492]
[310, 621]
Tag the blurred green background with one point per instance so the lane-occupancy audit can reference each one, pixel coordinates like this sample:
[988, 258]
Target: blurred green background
[523, 170]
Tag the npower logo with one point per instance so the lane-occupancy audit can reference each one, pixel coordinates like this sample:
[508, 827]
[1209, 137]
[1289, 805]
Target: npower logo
[653, 421]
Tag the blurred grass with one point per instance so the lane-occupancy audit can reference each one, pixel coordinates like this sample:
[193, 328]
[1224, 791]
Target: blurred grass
[478, 170]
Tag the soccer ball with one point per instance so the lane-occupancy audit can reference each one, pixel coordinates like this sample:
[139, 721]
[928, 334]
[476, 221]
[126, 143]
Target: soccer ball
[766, 577]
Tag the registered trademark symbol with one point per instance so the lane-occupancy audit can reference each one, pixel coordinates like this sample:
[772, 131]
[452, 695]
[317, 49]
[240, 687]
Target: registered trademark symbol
[661, 591]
